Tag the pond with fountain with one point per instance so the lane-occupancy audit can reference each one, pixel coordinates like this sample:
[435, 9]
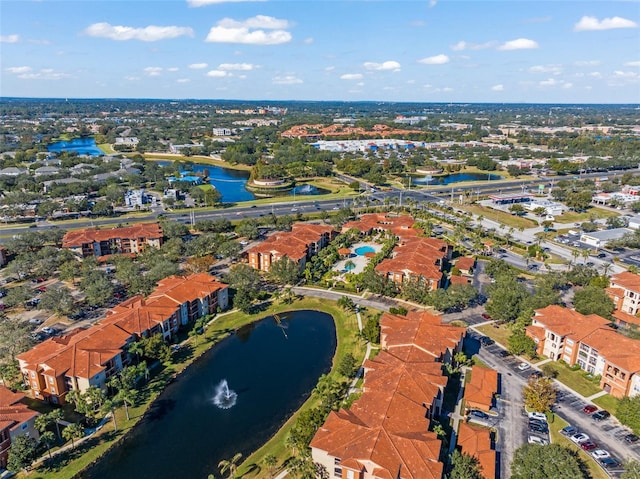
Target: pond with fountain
[232, 399]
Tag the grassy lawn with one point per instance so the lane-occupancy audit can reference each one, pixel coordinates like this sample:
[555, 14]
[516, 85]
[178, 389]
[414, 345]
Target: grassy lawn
[574, 379]
[499, 334]
[558, 423]
[106, 147]
[608, 402]
[500, 216]
[70, 463]
[593, 212]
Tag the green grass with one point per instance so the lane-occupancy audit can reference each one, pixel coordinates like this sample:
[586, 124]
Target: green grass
[608, 402]
[500, 216]
[574, 379]
[107, 148]
[555, 426]
[69, 464]
[499, 334]
[593, 212]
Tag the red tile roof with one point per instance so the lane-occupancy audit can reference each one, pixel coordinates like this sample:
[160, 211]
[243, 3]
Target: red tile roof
[570, 323]
[465, 263]
[401, 226]
[616, 349]
[419, 257]
[476, 441]
[626, 280]
[89, 235]
[479, 391]
[626, 317]
[12, 412]
[294, 244]
[459, 280]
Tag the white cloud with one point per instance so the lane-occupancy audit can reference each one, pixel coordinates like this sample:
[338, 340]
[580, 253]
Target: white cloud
[198, 66]
[498, 87]
[9, 38]
[587, 23]
[308, 41]
[621, 74]
[131, 78]
[360, 83]
[462, 45]
[287, 80]
[432, 3]
[152, 33]
[237, 66]
[250, 31]
[632, 64]
[388, 65]
[435, 60]
[173, 69]
[587, 63]
[329, 68]
[217, 73]
[552, 82]
[351, 76]
[183, 80]
[259, 21]
[519, 44]
[18, 69]
[44, 74]
[153, 71]
[447, 89]
[553, 69]
[567, 85]
[202, 3]
[548, 82]
[595, 75]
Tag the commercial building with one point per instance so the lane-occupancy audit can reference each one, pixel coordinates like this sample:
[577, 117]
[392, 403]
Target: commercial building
[600, 239]
[300, 244]
[127, 240]
[385, 434]
[550, 207]
[90, 357]
[16, 419]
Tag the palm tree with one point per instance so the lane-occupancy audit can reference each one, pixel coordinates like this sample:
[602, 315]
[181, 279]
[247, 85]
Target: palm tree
[48, 438]
[230, 465]
[42, 422]
[270, 461]
[109, 406]
[73, 431]
[56, 416]
[138, 349]
[585, 254]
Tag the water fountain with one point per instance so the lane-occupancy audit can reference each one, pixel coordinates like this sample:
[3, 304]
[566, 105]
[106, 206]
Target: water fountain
[224, 397]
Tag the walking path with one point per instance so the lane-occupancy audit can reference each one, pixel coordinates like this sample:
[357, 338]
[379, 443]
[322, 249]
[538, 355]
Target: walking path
[596, 395]
[456, 415]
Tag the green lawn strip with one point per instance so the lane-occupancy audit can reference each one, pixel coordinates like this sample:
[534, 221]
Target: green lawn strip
[593, 212]
[347, 342]
[499, 334]
[608, 402]
[500, 216]
[107, 148]
[554, 430]
[574, 379]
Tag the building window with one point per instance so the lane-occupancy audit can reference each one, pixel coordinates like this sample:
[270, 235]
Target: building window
[336, 460]
[584, 347]
[337, 471]
[33, 374]
[50, 380]
[592, 360]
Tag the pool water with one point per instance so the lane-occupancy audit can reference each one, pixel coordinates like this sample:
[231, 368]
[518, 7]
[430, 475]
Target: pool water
[349, 267]
[362, 250]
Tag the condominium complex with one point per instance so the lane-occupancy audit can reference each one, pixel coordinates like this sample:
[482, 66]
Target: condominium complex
[624, 290]
[128, 240]
[16, 419]
[90, 357]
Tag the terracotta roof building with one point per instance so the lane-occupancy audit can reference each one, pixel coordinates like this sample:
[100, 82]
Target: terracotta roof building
[624, 290]
[90, 357]
[401, 225]
[477, 442]
[16, 419]
[466, 264]
[300, 244]
[480, 391]
[102, 242]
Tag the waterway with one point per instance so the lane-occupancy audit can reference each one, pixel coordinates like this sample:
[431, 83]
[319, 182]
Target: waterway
[82, 146]
[272, 367]
[456, 178]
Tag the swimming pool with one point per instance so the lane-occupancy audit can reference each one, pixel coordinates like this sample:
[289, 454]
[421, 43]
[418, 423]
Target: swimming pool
[361, 250]
[349, 267]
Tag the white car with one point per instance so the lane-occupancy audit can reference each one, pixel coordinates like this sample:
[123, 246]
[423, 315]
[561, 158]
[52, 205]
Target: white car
[579, 438]
[537, 440]
[523, 366]
[538, 415]
[600, 454]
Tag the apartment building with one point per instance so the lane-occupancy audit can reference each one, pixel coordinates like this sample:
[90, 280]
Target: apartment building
[90, 357]
[624, 290]
[480, 391]
[16, 419]
[400, 225]
[127, 240]
[478, 442]
[300, 244]
[385, 434]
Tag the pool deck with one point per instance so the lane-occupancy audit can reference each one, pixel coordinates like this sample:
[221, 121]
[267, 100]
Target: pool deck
[359, 261]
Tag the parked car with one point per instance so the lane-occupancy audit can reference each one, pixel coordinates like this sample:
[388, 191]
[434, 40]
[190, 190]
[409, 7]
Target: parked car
[486, 341]
[600, 415]
[3, 293]
[42, 289]
[535, 374]
[589, 409]
[579, 438]
[600, 454]
[569, 431]
[631, 438]
[478, 414]
[538, 415]
[503, 353]
[49, 331]
[609, 463]
[537, 440]
[588, 445]
[523, 366]
[486, 316]
[538, 427]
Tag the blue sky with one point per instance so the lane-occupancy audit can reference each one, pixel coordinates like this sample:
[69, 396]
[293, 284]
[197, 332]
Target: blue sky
[427, 51]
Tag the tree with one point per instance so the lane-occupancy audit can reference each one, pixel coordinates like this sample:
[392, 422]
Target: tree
[520, 343]
[346, 303]
[464, 466]
[18, 295]
[155, 347]
[230, 465]
[371, 330]
[48, 438]
[631, 469]
[56, 416]
[97, 287]
[539, 394]
[285, 271]
[73, 431]
[243, 277]
[57, 300]
[22, 453]
[348, 365]
[533, 461]
[136, 348]
[505, 299]
[14, 337]
[628, 412]
[593, 300]
[270, 461]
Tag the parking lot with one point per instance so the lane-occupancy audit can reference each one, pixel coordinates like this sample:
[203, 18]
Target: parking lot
[608, 434]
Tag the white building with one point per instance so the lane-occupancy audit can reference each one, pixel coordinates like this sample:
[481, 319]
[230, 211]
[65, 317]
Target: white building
[634, 223]
[222, 132]
[599, 239]
[550, 207]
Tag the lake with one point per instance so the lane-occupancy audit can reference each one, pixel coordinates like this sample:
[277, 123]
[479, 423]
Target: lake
[82, 146]
[456, 178]
[271, 367]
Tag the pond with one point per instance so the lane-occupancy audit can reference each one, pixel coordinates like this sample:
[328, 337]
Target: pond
[455, 178]
[272, 366]
[82, 146]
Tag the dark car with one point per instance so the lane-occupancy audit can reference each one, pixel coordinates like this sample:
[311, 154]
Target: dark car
[538, 427]
[602, 255]
[486, 340]
[631, 438]
[478, 414]
[569, 431]
[609, 463]
[503, 353]
[600, 415]
[535, 374]
[589, 408]
[588, 445]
